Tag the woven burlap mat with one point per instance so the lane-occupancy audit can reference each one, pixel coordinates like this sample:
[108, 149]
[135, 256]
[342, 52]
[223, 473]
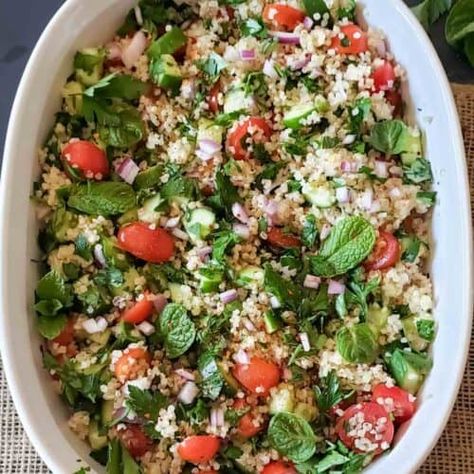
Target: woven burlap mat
[454, 453]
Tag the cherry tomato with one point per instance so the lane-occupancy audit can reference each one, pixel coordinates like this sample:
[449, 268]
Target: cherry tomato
[258, 376]
[283, 16]
[384, 77]
[251, 126]
[395, 98]
[139, 312]
[354, 41]
[211, 471]
[87, 158]
[278, 238]
[212, 100]
[133, 361]
[366, 427]
[135, 441]
[66, 336]
[199, 449]
[246, 426]
[279, 467]
[386, 252]
[151, 245]
[395, 400]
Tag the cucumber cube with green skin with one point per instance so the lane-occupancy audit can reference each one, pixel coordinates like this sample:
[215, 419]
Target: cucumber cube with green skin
[413, 147]
[165, 73]
[179, 293]
[199, 223]
[236, 100]
[208, 131]
[409, 369]
[107, 412]
[250, 276]
[95, 438]
[320, 195]
[168, 43]
[377, 317]
[282, 400]
[210, 279]
[231, 386]
[295, 117]
[113, 255]
[148, 212]
[72, 93]
[272, 322]
[410, 329]
[89, 65]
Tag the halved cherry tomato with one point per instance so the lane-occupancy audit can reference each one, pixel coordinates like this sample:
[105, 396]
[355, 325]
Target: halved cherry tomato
[366, 423]
[246, 426]
[87, 158]
[211, 471]
[386, 252]
[278, 238]
[283, 16]
[354, 40]
[279, 467]
[135, 441]
[140, 311]
[258, 376]
[384, 77]
[251, 126]
[199, 449]
[66, 336]
[395, 400]
[131, 363]
[151, 245]
[212, 100]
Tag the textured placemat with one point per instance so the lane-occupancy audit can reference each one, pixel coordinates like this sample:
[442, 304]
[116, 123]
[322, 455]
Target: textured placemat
[454, 453]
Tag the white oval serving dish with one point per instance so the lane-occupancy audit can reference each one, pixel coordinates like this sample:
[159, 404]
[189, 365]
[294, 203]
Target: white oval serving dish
[81, 23]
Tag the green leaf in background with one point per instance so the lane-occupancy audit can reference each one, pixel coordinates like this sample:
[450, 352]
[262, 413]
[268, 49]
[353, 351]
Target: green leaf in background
[460, 22]
[469, 48]
[428, 11]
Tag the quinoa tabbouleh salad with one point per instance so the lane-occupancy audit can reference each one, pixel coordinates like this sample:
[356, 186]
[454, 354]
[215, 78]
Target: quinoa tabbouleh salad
[235, 227]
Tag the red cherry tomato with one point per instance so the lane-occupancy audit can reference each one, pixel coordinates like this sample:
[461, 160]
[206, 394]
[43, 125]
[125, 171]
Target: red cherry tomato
[87, 158]
[366, 427]
[246, 426]
[151, 245]
[278, 238]
[353, 42]
[386, 252]
[258, 376]
[139, 312]
[384, 77]
[252, 126]
[283, 16]
[66, 336]
[199, 449]
[131, 363]
[211, 471]
[212, 100]
[395, 400]
[135, 441]
[279, 467]
[395, 98]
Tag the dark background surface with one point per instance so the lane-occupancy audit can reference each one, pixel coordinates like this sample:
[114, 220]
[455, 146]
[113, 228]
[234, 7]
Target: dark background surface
[21, 23]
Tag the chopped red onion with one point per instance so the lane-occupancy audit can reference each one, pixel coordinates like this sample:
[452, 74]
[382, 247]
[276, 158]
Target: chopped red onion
[185, 374]
[159, 302]
[204, 252]
[247, 54]
[138, 15]
[228, 296]
[304, 339]
[128, 170]
[114, 51]
[249, 325]
[240, 213]
[396, 171]
[188, 89]
[308, 22]
[209, 147]
[242, 231]
[180, 234]
[380, 46]
[269, 69]
[216, 417]
[241, 357]
[131, 54]
[349, 166]
[172, 222]
[381, 169]
[99, 255]
[376, 206]
[203, 156]
[325, 230]
[271, 209]
[349, 139]
[146, 328]
[275, 302]
[395, 192]
[367, 199]
[231, 54]
[93, 326]
[342, 195]
[213, 418]
[300, 63]
[220, 417]
[188, 393]
[286, 38]
[336, 287]
[312, 281]
[287, 374]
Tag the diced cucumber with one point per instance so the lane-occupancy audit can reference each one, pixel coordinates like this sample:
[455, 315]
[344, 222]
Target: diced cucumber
[96, 439]
[101, 338]
[148, 212]
[295, 116]
[179, 293]
[283, 399]
[89, 65]
[72, 93]
[410, 329]
[165, 73]
[61, 222]
[306, 411]
[413, 147]
[107, 412]
[409, 369]
[272, 322]
[377, 317]
[199, 223]
[130, 466]
[411, 246]
[113, 255]
[231, 386]
[168, 43]
[208, 131]
[320, 195]
[237, 99]
[250, 276]
[129, 216]
[210, 276]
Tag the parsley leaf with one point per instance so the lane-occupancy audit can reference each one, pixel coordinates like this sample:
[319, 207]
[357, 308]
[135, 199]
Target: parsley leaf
[418, 171]
[254, 27]
[285, 291]
[329, 392]
[428, 11]
[310, 231]
[225, 194]
[212, 66]
[426, 329]
[225, 240]
[359, 292]
[145, 403]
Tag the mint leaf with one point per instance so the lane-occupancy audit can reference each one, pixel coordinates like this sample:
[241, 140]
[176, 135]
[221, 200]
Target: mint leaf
[225, 194]
[223, 243]
[292, 436]
[48, 307]
[315, 6]
[145, 403]
[177, 329]
[389, 137]
[428, 198]
[351, 240]
[359, 292]
[51, 326]
[121, 86]
[418, 171]
[102, 198]
[212, 379]
[310, 231]
[53, 287]
[357, 344]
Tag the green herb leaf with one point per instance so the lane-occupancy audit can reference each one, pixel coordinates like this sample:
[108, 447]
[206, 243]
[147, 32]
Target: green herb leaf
[194, 415]
[48, 307]
[120, 86]
[460, 22]
[177, 329]
[426, 329]
[88, 59]
[225, 194]
[114, 459]
[329, 392]
[145, 403]
[292, 436]
[212, 380]
[224, 242]
[285, 291]
[419, 171]
[51, 326]
[351, 240]
[149, 178]
[357, 344]
[102, 198]
[179, 186]
[359, 292]
[359, 113]
[212, 66]
[53, 287]
[168, 43]
[315, 6]
[428, 198]
[310, 231]
[389, 137]
[254, 27]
